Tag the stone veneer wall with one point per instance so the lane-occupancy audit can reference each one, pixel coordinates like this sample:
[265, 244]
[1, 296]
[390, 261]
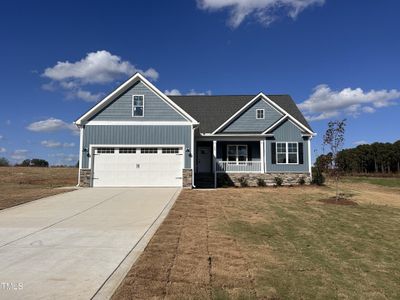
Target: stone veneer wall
[187, 178]
[85, 175]
[233, 179]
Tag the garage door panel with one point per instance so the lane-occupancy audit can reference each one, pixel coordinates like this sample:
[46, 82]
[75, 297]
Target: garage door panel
[137, 169]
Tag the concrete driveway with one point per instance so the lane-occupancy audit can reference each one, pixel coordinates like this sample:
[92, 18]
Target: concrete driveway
[70, 245]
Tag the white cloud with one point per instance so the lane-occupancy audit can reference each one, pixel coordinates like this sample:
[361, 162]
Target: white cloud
[2, 149]
[193, 93]
[263, 11]
[50, 144]
[175, 92]
[19, 154]
[51, 125]
[325, 103]
[362, 142]
[99, 67]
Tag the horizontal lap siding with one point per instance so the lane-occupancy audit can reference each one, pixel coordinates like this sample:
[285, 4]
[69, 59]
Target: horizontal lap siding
[247, 121]
[136, 135]
[287, 132]
[155, 108]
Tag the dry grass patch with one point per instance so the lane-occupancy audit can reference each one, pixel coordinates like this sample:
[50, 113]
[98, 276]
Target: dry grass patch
[21, 184]
[270, 243]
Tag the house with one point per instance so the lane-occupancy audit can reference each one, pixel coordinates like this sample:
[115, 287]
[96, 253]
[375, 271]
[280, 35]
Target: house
[138, 136]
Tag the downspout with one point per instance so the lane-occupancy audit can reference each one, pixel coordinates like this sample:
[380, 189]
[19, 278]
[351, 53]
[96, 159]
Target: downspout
[80, 153]
[193, 153]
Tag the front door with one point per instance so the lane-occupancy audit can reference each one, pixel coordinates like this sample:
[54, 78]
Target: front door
[204, 159]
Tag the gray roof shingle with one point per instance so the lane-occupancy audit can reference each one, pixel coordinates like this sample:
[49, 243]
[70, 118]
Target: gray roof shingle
[212, 111]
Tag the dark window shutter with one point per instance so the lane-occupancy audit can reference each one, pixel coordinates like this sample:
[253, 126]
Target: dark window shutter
[301, 154]
[273, 153]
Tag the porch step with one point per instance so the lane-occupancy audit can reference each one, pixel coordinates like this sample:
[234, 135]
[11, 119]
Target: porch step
[204, 180]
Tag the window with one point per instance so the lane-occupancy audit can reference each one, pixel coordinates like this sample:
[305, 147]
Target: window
[105, 150]
[287, 153]
[170, 150]
[148, 150]
[260, 114]
[137, 105]
[237, 153]
[127, 150]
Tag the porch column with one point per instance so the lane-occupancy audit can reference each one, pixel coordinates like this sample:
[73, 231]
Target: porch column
[262, 155]
[214, 158]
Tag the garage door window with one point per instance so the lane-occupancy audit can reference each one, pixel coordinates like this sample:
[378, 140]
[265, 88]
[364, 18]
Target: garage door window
[148, 150]
[127, 150]
[105, 150]
[170, 150]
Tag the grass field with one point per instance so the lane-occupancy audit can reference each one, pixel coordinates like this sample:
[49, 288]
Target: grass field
[273, 243]
[22, 184]
[389, 182]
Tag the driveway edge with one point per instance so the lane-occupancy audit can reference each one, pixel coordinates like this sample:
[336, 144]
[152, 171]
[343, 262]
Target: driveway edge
[106, 291]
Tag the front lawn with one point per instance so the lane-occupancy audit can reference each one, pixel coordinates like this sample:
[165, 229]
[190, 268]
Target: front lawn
[382, 181]
[19, 185]
[272, 243]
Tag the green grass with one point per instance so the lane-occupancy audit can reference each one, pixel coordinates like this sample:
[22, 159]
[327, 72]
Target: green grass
[321, 251]
[382, 181]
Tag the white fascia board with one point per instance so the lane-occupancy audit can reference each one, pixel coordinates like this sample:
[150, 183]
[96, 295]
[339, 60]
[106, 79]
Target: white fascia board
[279, 121]
[286, 113]
[125, 85]
[236, 114]
[139, 123]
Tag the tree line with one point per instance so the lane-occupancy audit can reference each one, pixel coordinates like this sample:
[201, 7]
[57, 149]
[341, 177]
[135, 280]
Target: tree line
[367, 158]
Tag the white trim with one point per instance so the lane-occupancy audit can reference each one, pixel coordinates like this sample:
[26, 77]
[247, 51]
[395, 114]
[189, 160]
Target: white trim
[93, 122]
[136, 77]
[279, 121]
[192, 154]
[80, 154]
[92, 147]
[262, 154]
[237, 113]
[273, 104]
[309, 158]
[232, 134]
[237, 152]
[289, 115]
[287, 153]
[214, 159]
[133, 106]
[263, 113]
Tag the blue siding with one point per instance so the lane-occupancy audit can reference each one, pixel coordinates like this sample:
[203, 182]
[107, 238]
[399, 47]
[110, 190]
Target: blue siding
[287, 132]
[155, 108]
[247, 121]
[136, 135]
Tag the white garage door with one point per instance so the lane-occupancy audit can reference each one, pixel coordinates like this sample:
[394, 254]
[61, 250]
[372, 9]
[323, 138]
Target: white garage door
[138, 166]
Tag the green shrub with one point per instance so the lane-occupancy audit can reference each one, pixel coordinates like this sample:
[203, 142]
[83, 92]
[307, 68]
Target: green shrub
[278, 181]
[317, 177]
[302, 181]
[261, 182]
[243, 182]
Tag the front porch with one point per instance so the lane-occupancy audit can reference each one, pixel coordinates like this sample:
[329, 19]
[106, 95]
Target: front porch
[215, 158]
[242, 161]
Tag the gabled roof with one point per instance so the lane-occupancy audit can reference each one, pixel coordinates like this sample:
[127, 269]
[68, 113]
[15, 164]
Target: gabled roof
[213, 111]
[123, 88]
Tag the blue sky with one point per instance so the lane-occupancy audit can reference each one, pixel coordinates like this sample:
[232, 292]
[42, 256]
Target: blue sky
[336, 58]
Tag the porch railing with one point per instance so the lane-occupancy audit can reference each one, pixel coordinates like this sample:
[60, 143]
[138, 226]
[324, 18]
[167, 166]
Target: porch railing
[238, 167]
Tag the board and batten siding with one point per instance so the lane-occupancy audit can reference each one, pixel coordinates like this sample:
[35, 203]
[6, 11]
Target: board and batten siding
[287, 132]
[137, 135]
[247, 121]
[155, 108]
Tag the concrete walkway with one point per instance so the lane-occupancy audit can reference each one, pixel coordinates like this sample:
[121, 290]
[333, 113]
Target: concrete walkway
[67, 246]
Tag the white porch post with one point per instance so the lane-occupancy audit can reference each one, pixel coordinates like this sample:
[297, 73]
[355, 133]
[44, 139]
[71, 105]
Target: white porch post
[215, 162]
[262, 155]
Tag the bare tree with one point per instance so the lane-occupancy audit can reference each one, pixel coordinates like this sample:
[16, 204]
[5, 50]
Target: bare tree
[334, 139]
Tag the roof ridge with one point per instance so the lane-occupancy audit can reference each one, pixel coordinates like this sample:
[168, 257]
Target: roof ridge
[229, 95]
